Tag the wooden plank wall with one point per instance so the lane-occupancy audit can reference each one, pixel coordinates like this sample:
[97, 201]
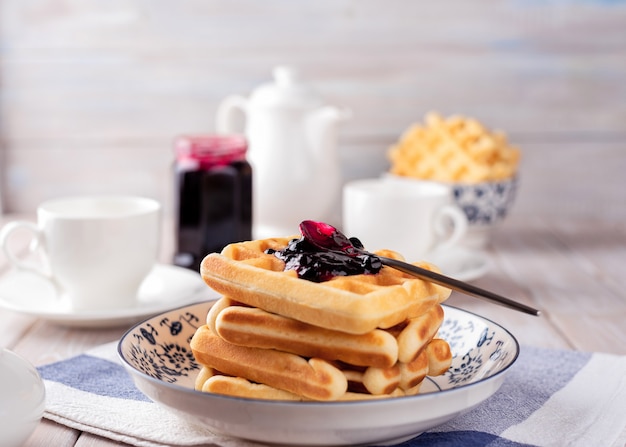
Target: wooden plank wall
[92, 93]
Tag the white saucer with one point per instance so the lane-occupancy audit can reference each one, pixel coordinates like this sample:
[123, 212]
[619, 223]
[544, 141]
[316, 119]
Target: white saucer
[461, 263]
[166, 287]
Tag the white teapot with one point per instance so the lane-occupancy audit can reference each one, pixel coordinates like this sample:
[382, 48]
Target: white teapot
[292, 138]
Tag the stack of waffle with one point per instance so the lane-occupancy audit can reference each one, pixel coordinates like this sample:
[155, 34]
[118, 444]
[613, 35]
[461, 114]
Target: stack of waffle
[276, 336]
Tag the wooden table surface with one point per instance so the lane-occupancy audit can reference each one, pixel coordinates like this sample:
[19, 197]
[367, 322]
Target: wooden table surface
[573, 271]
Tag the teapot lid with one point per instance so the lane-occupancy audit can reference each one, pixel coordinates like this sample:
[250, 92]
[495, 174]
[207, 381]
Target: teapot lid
[287, 90]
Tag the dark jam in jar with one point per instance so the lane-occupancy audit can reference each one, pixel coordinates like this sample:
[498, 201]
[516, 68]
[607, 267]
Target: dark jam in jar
[317, 264]
[213, 196]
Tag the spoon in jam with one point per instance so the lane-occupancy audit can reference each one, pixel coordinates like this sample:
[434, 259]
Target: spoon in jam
[327, 237]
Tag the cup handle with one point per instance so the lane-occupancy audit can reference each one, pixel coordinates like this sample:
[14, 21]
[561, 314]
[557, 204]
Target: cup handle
[18, 263]
[447, 214]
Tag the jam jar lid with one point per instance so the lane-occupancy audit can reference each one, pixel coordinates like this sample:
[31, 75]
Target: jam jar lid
[210, 150]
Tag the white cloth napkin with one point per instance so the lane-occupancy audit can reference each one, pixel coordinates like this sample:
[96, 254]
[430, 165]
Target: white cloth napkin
[549, 398]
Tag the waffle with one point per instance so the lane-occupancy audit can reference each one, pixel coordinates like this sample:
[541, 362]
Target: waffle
[454, 149]
[439, 356]
[276, 336]
[253, 327]
[240, 387]
[250, 342]
[412, 373]
[269, 374]
[354, 304]
[313, 378]
[379, 380]
[417, 333]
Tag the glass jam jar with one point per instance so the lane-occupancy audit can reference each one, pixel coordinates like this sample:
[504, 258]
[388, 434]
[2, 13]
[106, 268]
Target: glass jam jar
[213, 196]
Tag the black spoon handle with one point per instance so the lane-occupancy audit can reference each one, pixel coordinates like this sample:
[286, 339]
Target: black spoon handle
[457, 285]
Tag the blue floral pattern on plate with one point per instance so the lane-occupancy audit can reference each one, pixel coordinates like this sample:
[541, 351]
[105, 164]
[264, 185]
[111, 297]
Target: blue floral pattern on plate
[160, 348]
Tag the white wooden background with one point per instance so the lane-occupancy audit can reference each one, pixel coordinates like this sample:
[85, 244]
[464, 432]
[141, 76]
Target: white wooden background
[93, 92]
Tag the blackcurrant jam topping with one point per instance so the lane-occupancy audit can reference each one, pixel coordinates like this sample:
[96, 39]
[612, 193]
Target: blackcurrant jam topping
[323, 252]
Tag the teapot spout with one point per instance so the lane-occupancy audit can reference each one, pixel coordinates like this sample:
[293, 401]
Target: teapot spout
[333, 115]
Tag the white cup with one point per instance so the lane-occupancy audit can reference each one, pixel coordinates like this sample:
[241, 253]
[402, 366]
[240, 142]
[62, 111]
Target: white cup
[414, 219]
[96, 251]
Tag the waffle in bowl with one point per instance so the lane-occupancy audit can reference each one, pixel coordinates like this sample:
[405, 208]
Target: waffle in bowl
[355, 304]
[275, 335]
[455, 149]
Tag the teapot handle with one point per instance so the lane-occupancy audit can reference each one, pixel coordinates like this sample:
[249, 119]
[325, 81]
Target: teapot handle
[226, 119]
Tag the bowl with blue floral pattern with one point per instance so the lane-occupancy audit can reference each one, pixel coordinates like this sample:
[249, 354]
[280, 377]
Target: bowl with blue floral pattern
[157, 355]
[485, 203]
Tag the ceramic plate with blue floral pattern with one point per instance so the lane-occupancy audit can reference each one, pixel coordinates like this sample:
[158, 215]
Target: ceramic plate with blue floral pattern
[157, 355]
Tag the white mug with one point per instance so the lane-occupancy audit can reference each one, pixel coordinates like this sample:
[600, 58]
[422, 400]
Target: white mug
[95, 250]
[413, 219]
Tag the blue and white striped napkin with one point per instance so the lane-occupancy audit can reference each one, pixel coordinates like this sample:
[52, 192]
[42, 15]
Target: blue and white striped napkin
[549, 398]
